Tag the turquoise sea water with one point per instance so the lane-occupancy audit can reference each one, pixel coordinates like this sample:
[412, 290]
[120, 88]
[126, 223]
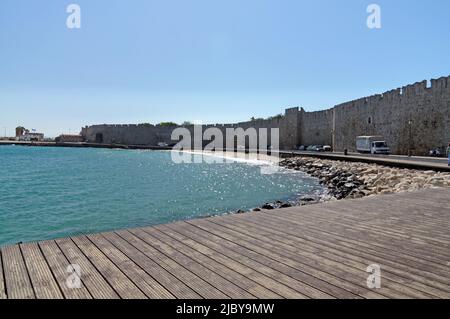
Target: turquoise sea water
[48, 193]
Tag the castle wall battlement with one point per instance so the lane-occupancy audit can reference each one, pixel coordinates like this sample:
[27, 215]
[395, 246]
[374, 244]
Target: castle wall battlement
[415, 116]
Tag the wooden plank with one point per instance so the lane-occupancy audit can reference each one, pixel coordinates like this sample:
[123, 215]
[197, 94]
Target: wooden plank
[280, 283]
[416, 224]
[371, 211]
[432, 235]
[419, 275]
[350, 280]
[91, 277]
[148, 285]
[2, 280]
[374, 241]
[298, 238]
[302, 280]
[307, 290]
[237, 266]
[291, 242]
[324, 237]
[401, 241]
[323, 263]
[165, 278]
[415, 207]
[329, 232]
[248, 285]
[408, 209]
[44, 284]
[442, 242]
[441, 195]
[202, 287]
[59, 266]
[222, 284]
[18, 284]
[123, 286]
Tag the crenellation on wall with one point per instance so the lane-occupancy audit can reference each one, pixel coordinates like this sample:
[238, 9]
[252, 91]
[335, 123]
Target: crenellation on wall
[440, 84]
[415, 90]
[370, 100]
[421, 87]
[413, 118]
[392, 95]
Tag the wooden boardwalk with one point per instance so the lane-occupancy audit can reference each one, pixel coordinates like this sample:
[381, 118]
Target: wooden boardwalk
[319, 251]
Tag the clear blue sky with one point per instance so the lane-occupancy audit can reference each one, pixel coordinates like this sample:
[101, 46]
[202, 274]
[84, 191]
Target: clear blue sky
[143, 61]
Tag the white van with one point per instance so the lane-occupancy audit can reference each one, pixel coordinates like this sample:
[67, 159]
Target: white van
[372, 144]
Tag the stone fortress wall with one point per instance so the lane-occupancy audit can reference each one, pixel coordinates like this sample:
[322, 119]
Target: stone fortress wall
[415, 117]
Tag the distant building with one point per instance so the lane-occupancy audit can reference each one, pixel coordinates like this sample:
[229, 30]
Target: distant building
[66, 138]
[22, 134]
[20, 131]
[32, 137]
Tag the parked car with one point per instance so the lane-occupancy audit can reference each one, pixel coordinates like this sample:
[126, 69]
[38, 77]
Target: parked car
[435, 153]
[302, 148]
[438, 152]
[319, 148]
[315, 148]
[327, 148]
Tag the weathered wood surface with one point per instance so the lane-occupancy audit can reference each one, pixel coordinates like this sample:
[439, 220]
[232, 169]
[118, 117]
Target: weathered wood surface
[319, 251]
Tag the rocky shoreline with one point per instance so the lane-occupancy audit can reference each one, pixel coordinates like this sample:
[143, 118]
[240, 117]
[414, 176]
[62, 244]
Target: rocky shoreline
[356, 180]
[346, 180]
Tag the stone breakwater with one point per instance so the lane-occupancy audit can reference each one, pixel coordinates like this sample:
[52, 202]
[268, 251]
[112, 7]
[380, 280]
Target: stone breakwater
[356, 180]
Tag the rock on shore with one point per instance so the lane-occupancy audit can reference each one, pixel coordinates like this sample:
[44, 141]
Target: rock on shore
[356, 180]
